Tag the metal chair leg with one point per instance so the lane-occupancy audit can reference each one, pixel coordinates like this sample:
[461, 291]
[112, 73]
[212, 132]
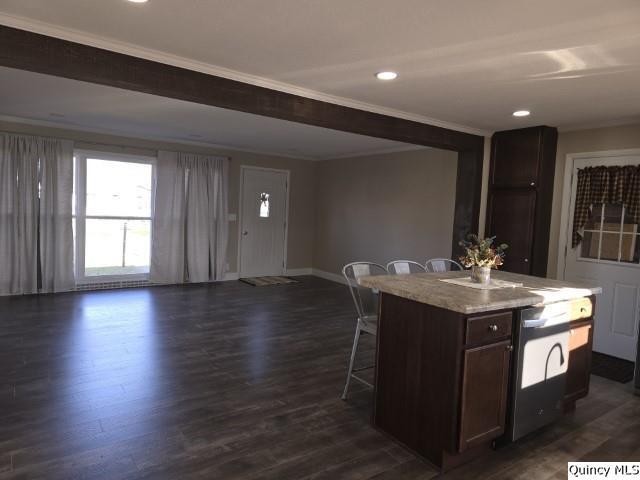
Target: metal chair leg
[352, 360]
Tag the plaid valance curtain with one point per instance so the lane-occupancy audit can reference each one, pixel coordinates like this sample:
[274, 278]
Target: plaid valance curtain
[611, 185]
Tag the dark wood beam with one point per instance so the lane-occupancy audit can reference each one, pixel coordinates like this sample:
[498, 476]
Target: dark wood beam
[43, 54]
[34, 52]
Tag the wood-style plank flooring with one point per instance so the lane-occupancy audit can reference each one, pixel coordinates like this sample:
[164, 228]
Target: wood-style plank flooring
[230, 381]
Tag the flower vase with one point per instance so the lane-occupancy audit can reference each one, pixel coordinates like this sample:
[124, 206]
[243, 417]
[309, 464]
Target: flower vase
[481, 274]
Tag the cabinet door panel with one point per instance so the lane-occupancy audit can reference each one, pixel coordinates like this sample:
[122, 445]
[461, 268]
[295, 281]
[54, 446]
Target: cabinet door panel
[579, 367]
[484, 393]
[515, 157]
[510, 218]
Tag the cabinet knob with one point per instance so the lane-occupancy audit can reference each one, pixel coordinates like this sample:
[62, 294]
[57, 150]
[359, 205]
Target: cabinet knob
[509, 348]
[583, 309]
[493, 328]
[526, 260]
[533, 184]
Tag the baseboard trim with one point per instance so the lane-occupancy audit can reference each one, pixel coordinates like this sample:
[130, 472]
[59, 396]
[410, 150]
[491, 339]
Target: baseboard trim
[295, 272]
[230, 276]
[334, 277]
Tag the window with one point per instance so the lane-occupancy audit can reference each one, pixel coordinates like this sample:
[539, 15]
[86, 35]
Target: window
[264, 205]
[610, 235]
[113, 196]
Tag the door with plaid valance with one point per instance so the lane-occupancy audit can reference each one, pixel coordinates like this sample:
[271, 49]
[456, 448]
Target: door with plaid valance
[610, 185]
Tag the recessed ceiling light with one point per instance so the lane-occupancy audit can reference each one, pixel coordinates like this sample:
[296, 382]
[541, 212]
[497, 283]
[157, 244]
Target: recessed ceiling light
[138, 1]
[386, 75]
[521, 113]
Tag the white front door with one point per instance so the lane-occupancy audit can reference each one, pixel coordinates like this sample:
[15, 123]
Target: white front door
[263, 222]
[609, 256]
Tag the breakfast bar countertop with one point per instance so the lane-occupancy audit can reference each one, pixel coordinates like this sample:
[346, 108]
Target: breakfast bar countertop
[429, 289]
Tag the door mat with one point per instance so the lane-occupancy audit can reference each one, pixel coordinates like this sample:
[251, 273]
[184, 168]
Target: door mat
[613, 368]
[266, 281]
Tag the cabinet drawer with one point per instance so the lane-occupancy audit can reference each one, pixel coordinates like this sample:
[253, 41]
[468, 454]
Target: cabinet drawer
[488, 328]
[580, 308]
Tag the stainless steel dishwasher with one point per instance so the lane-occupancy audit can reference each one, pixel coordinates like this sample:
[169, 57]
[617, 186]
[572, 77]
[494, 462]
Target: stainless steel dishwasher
[538, 386]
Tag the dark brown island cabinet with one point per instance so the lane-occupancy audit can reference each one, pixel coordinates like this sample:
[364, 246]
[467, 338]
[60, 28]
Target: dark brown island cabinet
[450, 359]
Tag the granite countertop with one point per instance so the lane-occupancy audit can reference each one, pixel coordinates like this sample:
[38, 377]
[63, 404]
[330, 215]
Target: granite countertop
[427, 288]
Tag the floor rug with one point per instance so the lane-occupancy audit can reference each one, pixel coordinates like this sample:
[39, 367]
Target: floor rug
[266, 281]
[613, 368]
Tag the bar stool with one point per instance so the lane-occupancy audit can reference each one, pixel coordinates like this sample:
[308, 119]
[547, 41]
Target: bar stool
[441, 265]
[401, 267]
[366, 303]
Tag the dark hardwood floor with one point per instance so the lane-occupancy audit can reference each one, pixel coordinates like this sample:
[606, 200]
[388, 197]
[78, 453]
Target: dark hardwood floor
[230, 381]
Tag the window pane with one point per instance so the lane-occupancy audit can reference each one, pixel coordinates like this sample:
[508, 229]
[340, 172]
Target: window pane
[630, 226]
[138, 245]
[117, 247]
[264, 205]
[594, 218]
[118, 188]
[630, 248]
[610, 246]
[589, 247]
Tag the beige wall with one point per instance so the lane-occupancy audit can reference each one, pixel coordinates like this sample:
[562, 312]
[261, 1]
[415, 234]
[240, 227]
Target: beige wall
[592, 140]
[384, 207]
[301, 210]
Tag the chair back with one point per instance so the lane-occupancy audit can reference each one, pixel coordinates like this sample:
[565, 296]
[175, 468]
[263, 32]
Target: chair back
[401, 267]
[365, 299]
[441, 265]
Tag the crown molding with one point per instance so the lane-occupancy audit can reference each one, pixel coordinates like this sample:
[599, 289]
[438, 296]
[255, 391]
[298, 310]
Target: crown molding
[77, 36]
[621, 122]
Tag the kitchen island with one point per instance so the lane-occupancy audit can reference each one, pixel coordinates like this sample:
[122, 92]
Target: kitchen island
[458, 368]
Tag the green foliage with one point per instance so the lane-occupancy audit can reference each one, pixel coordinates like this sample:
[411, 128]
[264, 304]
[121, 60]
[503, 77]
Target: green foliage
[482, 252]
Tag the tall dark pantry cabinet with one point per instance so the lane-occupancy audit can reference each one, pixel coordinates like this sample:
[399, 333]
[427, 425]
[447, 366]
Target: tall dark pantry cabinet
[520, 196]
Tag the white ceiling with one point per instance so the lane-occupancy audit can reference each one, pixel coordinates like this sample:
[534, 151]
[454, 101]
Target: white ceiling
[472, 63]
[32, 97]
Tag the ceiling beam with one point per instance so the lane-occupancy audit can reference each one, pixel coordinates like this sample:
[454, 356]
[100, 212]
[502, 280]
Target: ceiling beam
[39, 53]
[43, 54]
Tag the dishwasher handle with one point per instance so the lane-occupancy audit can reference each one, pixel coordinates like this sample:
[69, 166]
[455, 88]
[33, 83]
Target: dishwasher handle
[541, 320]
[538, 322]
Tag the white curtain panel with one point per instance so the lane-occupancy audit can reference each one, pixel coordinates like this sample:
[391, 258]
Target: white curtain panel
[56, 222]
[36, 177]
[190, 218]
[167, 248]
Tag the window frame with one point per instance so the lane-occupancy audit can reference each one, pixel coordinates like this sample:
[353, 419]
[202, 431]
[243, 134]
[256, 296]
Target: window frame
[600, 232]
[80, 216]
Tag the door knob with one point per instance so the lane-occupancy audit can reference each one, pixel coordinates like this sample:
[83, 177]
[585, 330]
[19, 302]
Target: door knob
[245, 233]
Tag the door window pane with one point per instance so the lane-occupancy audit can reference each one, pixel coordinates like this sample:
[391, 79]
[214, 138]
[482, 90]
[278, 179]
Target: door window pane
[610, 245]
[630, 249]
[117, 247]
[590, 244]
[611, 235]
[118, 189]
[264, 205]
